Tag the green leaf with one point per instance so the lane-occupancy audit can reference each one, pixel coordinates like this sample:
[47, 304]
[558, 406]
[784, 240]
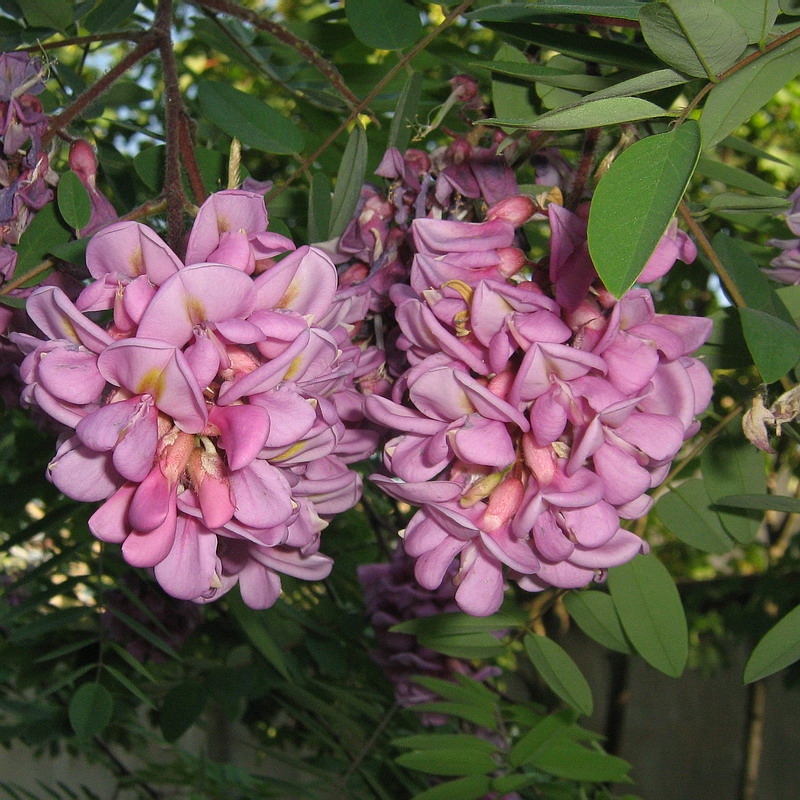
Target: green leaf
[470, 788]
[463, 645]
[685, 511]
[512, 98]
[636, 199]
[74, 202]
[257, 634]
[405, 113]
[773, 343]
[319, 207]
[349, 179]
[594, 114]
[738, 97]
[790, 7]
[249, 119]
[651, 613]
[727, 202]
[699, 39]
[779, 647]
[536, 73]
[74, 252]
[38, 241]
[595, 614]
[734, 176]
[559, 672]
[618, 9]
[182, 706]
[731, 465]
[566, 759]
[585, 48]
[144, 632]
[149, 166]
[755, 16]
[55, 14]
[454, 761]
[551, 729]
[90, 710]
[471, 713]
[384, 24]
[641, 84]
[743, 146]
[762, 502]
[452, 622]
[465, 691]
[444, 741]
[109, 15]
[129, 685]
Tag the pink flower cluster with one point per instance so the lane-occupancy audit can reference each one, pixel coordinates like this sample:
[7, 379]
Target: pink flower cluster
[536, 411]
[786, 266]
[207, 415]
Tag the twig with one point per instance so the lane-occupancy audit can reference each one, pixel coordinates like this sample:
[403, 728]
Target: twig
[590, 141]
[280, 33]
[148, 43]
[734, 69]
[356, 762]
[37, 270]
[114, 36]
[755, 739]
[706, 247]
[389, 76]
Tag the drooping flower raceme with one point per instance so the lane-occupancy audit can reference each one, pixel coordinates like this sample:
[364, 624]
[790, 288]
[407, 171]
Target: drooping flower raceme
[536, 411]
[203, 414]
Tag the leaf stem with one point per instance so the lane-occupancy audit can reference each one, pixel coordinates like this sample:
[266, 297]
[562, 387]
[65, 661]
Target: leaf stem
[31, 273]
[398, 67]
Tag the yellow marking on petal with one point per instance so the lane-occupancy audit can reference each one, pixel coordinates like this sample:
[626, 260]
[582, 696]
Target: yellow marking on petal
[290, 295]
[69, 329]
[292, 451]
[152, 382]
[294, 368]
[137, 261]
[195, 310]
[223, 224]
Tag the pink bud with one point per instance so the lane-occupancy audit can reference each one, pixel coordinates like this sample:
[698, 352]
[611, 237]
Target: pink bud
[516, 210]
[540, 460]
[464, 87]
[512, 260]
[504, 502]
[82, 160]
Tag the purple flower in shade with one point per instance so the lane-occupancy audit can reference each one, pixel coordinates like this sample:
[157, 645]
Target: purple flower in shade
[536, 411]
[392, 596]
[786, 266]
[206, 417]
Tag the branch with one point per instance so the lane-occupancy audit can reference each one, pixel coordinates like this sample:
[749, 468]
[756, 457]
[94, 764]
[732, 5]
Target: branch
[148, 43]
[114, 36]
[173, 108]
[306, 50]
[387, 78]
[32, 273]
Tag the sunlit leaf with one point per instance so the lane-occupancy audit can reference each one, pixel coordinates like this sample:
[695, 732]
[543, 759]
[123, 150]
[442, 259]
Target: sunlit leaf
[779, 648]
[384, 24]
[636, 199]
[405, 113]
[696, 38]
[651, 613]
[738, 97]
[608, 111]
[755, 16]
[349, 179]
[248, 119]
[73, 200]
[559, 672]
[90, 710]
